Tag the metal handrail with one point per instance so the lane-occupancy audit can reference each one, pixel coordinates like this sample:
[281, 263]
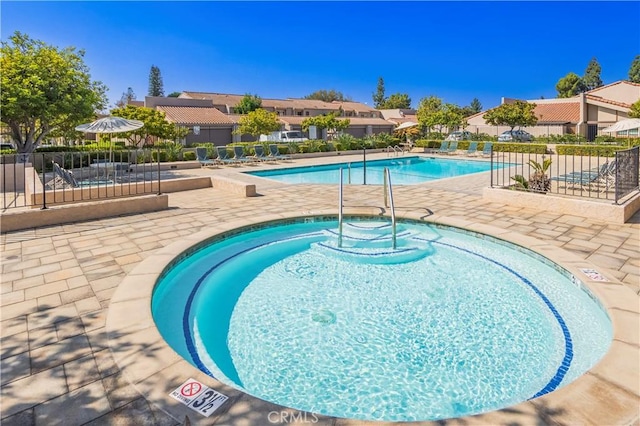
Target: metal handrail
[393, 209]
[395, 150]
[340, 217]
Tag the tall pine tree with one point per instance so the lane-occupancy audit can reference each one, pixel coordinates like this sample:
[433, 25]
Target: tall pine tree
[156, 87]
[634, 70]
[378, 95]
[591, 77]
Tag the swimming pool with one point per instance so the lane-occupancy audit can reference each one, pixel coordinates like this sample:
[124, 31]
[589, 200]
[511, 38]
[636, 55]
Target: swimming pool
[405, 171]
[450, 323]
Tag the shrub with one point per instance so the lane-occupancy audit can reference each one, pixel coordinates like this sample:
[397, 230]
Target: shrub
[589, 150]
[189, 156]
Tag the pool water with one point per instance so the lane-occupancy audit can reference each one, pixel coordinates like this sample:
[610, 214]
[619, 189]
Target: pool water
[447, 324]
[405, 171]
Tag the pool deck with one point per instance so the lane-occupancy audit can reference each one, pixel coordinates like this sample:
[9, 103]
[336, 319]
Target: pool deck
[78, 346]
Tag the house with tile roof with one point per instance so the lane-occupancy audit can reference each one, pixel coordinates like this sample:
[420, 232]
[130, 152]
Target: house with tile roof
[585, 114]
[211, 116]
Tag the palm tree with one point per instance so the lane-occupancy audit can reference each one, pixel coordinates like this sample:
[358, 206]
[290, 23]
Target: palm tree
[539, 180]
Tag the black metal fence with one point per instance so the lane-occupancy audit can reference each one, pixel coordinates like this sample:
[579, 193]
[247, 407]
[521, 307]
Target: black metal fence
[587, 176]
[46, 178]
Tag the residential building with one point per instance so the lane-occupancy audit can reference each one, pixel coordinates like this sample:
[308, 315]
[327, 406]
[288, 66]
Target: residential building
[585, 114]
[211, 116]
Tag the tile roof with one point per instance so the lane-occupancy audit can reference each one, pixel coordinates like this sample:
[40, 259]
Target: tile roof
[294, 103]
[195, 115]
[353, 121]
[354, 106]
[560, 112]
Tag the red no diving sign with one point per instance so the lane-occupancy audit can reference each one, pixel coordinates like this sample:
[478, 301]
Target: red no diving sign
[199, 397]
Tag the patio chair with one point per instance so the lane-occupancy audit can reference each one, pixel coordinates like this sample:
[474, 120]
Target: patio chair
[260, 155]
[239, 155]
[203, 158]
[66, 179]
[487, 149]
[453, 147]
[274, 153]
[603, 177]
[444, 147]
[223, 156]
[473, 149]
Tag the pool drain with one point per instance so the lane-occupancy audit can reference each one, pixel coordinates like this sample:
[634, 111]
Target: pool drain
[324, 316]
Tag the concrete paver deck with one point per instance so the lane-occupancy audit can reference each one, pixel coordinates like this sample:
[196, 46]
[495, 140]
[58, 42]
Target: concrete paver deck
[58, 282]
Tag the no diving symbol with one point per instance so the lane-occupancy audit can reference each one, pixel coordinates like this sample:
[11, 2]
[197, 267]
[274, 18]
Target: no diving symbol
[190, 389]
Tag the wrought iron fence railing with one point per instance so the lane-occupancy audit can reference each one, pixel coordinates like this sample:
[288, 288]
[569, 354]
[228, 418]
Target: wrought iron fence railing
[43, 179]
[587, 176]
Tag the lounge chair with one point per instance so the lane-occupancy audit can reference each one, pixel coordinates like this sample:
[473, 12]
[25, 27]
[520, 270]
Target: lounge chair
[487, 149]
[453, 147]
[203, 158]
[260, 155]
[223, 156]
[473, 149]
[601, 177]
[274, 153]
[66, 179]
[444, 147]
[239, 155]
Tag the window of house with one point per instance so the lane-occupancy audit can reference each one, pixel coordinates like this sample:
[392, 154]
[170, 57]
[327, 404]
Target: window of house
[306, 113]
[299, 113]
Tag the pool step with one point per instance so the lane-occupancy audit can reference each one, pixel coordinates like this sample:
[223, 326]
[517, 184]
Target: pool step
[373, 255]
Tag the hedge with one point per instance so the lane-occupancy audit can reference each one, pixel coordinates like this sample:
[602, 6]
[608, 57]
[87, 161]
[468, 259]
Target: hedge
[589, 150]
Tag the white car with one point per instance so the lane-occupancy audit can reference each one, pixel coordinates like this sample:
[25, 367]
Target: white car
[459, 136]
[515, 135]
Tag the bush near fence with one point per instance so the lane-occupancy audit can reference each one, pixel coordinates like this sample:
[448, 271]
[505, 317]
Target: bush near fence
[589, 150]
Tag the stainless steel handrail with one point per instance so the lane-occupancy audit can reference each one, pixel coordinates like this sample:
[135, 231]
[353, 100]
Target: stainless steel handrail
[393, 209]
[340, 211]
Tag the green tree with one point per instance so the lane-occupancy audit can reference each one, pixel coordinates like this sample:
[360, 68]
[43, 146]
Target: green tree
[634, 111]
[428, 112]
[328, 96]
[247, 104]
[452, 116]
[591, 77]
[156, 87]
[155, 124]
[475, 106]
[127, 96]
[44, 88]
[634, 70]
[328, 121]
[174, 94]
[397, 100]
[258, 122]
[519, 113]
[570, 85]
[378, 95]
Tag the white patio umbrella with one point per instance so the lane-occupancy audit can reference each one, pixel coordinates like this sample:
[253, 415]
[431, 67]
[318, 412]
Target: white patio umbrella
[622, 125]
[406, 125]
[110, 125]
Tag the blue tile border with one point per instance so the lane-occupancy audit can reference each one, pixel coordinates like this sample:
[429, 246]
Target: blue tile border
[553, 384]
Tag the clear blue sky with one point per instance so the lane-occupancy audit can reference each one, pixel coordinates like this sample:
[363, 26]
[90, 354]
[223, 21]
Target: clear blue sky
[453, 50]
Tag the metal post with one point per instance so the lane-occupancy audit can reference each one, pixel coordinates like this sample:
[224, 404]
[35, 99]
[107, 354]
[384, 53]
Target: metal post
[385, 187]
[393, 212]
[364, 164]
[44, 180]
[340, 211]
[349, 174]
[159, 192]
[491, 153]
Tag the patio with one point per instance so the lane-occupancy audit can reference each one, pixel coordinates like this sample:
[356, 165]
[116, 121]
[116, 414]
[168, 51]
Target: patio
[58, 283]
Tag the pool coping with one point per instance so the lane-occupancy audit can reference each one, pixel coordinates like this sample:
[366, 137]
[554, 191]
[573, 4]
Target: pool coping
[607, 394]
